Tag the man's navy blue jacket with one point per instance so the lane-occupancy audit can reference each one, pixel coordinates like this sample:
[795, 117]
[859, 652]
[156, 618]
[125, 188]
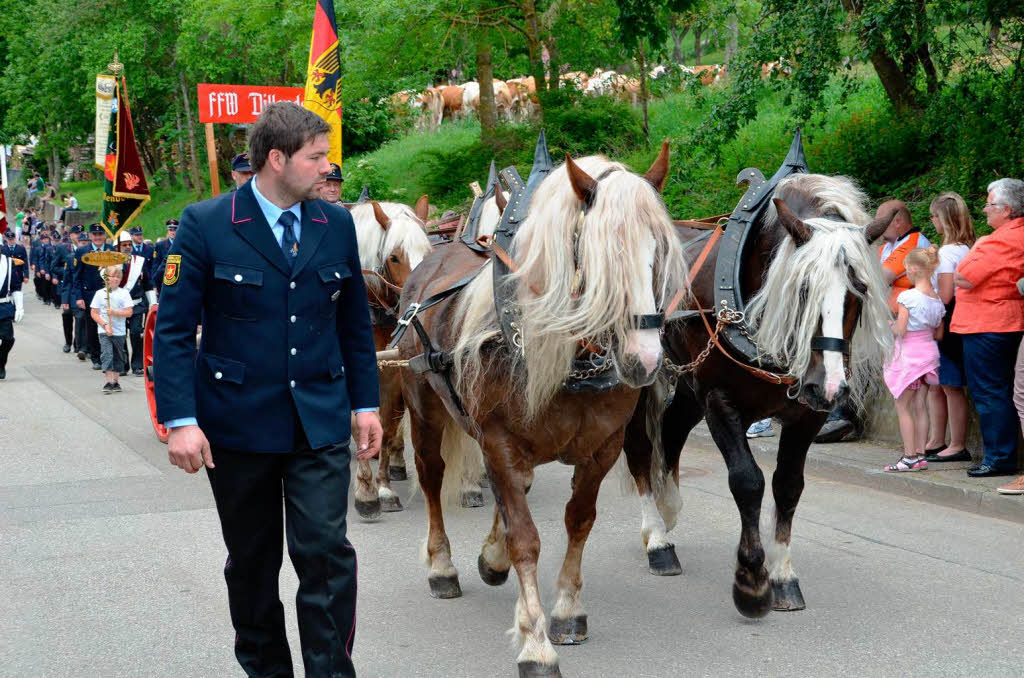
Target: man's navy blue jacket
[85, 278]
[275, 344]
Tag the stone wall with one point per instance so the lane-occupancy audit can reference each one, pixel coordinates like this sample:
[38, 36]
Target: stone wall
[80, 218]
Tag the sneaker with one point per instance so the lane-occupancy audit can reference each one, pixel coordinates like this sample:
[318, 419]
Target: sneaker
[81, 355]
[67, 348]
[115, 387]
[761, 429]
[1016, 487]
[108, 388]
[138, 373]
[96, 366]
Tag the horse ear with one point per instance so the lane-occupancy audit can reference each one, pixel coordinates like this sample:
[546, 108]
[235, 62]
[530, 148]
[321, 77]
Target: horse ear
[499, 198]
[380, 216]
[659, 169]
[876, 228]
[582, 183]
[800, 232]
[422, 207]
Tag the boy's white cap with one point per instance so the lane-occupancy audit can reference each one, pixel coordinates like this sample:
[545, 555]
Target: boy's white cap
[123, 236]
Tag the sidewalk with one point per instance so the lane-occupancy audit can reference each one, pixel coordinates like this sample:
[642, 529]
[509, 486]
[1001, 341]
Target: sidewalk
[861, 464]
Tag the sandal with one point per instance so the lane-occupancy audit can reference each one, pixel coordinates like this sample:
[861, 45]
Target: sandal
[907, 464]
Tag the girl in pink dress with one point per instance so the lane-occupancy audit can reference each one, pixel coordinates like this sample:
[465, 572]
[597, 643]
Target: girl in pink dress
[915, 358]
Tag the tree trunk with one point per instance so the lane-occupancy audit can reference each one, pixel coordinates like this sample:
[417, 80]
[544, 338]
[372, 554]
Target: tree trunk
[677, 40]
[644, 96]
[698, 32]
[898, 86]
[534, 44]
[55, 168]
[554, 62]
[167, 158]
[485, 76]
[197, 184]
[734, 38]
[993, 34]
[181, 147]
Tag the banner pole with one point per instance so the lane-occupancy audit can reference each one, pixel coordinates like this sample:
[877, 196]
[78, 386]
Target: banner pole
[211, 154]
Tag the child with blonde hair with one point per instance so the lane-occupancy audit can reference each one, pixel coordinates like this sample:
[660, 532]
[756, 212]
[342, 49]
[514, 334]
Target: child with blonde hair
[915, 358]
[110, 307]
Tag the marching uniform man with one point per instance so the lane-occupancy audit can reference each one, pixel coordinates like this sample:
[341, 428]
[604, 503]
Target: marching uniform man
[135, 278]
[63, 266]
[162, 248]
[12, 304]
[332, 189]
[17, 250]
[241, 169]
[86, 281]
[286, 354]
[140, 248]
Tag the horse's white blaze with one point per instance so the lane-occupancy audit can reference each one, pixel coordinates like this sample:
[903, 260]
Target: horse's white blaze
[645, 345]
[832, 327]
[652, 527]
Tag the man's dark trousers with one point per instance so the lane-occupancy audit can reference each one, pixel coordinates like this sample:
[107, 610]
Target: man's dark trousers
[247, 487]
[989, 361]
[135, 326]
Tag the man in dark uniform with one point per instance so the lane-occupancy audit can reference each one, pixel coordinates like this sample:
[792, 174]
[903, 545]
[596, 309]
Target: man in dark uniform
[241, 169]
[43, 264]
[141, 248]
[61, 268]
[287, 351]
[86, 281]
[34, 253]
[332, 189]
[17, 250]
[135, 278]
[81, 342]
[161, 250]
[12, 304]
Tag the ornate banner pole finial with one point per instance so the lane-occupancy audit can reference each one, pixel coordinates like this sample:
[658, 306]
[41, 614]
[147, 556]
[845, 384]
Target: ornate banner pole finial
[115, 67]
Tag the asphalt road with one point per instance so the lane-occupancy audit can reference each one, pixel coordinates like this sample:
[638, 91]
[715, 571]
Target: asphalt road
[111, 565]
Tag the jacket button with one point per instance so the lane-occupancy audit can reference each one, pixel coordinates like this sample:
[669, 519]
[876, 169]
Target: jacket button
[238, 277]
[294, 351]
[218, 375]
[292, 318]
[292, 383]
[292, 284]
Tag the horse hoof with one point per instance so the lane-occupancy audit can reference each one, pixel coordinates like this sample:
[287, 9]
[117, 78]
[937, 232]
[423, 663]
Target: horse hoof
[490, 576]
[368, 510]
[397, 473]
[662, 561]
[538, 670]
[445, 587]
[752, 604]
[471, 498]
[788, 597]
[390, 504]
[570, 631]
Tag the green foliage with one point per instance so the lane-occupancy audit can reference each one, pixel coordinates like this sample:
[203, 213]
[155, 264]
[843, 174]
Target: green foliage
[585, 125]
[364, 172]
[368, 125]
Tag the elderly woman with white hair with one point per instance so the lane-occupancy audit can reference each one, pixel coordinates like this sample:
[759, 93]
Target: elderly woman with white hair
[989, 314]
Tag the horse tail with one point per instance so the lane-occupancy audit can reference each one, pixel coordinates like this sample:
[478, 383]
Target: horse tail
[463, 465]
[664, 477]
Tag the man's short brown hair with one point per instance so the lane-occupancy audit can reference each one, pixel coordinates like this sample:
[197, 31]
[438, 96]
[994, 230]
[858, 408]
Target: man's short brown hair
[285, 126]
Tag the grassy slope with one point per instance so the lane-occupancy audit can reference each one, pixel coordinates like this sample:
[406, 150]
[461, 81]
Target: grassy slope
[164, 205]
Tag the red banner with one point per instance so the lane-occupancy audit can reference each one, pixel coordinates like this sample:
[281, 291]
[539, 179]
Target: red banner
[241, 103]
[3, 212]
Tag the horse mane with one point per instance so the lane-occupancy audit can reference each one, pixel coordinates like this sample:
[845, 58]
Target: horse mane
[626, 213]
[786, 311]
[405, 233]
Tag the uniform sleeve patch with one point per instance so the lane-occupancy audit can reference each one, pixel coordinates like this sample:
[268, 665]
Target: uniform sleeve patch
[173, 269]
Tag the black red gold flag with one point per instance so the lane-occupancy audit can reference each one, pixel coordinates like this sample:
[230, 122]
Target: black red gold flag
[323, 76]
[125, 191]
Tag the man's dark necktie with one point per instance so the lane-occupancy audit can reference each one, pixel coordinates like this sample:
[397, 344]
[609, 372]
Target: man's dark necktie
[289, 245]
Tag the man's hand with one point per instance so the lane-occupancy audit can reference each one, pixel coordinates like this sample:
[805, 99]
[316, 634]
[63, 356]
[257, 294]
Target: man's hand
[65, 307]
[368, 435]
[109, 329]
[188, 449]
[80, 304]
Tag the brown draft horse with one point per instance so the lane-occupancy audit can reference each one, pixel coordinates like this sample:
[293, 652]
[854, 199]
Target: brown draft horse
[392, 242]
[516, 407]
[810, 272]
